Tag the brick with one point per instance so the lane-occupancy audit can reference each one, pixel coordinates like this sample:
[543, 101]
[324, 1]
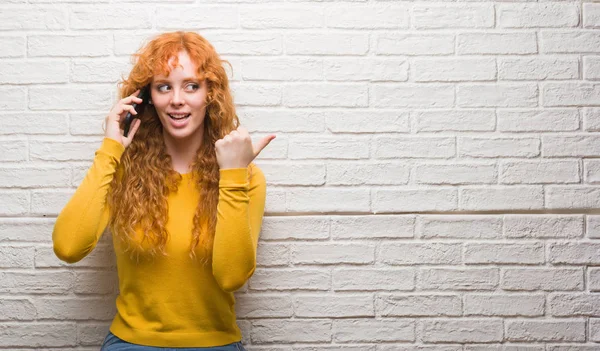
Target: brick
[573, 304]
[68, 46]
[546, 120]
[325, 253]
[75, 309]
[369, 330]
[496, 43]
[539, 172]
[33, 123]
[331, 43]
[497, 95]
[413, 147]
[12, 46]
[272, 254]
[328, 148]
[33, 18]
[319, 199]
[538, 68]
[16, 256]
[357, 16]
[176, 17]
[543, 226]
[256, 94]
[592, 226]
[254, 44]
[52, 334]
[290, 279]
[420, 253]
[462, 330]
[34, 176]
[362, 69]
[572, 197]
[13, 150]
[373, 122]
[370, 279]
[537, 15]
[13, 98]
[591, 15]
[458, 279]
[263, 306]
[293, 173]
[456, 173]
[414, 44]
[454, 120]
[409, 200]
[325, 95]
[339, 173]
[571, 94]
[41, 282]
[111, 17]
[546, 330]
[570, 145]
[569, 42]
[545, 279]
[509, 253]
[315, 306]
[574, 253]
[498, 147]
[269, 331]
[63, 98]
[412, 95]
[303, 227]
[513, 305]
[421, 305]
[502, 198]
[282, 69]
[16, 309]
[372, 227]
[269, 121]
[459, 227]
[453, 69]
[591, 67]
[262, 17]
[443, 16]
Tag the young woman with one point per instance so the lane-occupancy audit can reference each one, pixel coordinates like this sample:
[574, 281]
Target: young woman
[182, 198]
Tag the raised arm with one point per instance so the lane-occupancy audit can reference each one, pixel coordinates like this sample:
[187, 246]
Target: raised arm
[83, 220]
[239, 219]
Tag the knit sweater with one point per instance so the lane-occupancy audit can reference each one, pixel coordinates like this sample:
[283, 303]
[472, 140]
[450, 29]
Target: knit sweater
[171, 301]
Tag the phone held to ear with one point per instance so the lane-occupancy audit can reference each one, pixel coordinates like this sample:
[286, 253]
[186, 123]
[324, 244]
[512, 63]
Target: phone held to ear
[139, 108]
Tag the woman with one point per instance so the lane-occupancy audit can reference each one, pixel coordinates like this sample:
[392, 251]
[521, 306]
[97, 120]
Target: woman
[182, 198]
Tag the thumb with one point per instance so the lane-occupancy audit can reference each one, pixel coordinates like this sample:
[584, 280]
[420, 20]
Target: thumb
[261, 144]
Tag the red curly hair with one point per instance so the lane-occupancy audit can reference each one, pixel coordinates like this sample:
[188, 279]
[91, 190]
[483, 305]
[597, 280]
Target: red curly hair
[138, 194]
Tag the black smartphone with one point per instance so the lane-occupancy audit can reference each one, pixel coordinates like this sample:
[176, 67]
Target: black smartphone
[139, 108]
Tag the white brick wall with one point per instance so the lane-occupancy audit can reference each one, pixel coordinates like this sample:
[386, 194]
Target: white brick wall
[433, 185]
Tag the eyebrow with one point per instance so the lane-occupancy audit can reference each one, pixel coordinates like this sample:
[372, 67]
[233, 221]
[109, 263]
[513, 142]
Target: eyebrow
[188, 79]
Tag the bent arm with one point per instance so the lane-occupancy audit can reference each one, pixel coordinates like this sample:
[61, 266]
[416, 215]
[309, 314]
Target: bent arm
[239, 219]
[82, 221]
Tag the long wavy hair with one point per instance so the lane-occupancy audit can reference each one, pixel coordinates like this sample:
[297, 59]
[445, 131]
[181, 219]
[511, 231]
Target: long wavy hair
[138, 193]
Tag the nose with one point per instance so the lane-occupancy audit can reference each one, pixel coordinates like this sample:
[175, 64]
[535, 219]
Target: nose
[177, 98]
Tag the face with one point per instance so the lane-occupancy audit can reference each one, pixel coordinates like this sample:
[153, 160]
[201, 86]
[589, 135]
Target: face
[180, 100]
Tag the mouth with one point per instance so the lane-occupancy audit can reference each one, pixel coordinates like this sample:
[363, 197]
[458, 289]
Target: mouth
[179, 116]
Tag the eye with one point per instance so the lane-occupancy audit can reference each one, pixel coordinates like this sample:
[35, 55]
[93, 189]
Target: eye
[161, 87]
[193, 87]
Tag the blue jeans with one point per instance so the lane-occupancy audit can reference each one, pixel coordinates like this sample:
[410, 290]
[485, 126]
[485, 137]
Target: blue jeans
[114, 343]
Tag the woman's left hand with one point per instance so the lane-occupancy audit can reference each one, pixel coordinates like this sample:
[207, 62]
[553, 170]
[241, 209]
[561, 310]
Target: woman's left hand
[236, 150]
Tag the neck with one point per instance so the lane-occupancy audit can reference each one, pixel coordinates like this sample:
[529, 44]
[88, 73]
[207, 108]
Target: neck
[183, 151]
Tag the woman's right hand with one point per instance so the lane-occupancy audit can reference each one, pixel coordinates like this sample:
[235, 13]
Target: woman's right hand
[117, 114]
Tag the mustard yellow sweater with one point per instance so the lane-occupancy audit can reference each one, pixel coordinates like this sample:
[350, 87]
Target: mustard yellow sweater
[171, 301]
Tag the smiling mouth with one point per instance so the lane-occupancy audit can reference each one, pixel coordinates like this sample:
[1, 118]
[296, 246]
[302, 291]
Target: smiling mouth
[179, 117]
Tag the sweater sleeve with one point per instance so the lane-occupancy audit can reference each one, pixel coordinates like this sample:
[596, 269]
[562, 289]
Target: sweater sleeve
[82, 221]
[239, 218]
